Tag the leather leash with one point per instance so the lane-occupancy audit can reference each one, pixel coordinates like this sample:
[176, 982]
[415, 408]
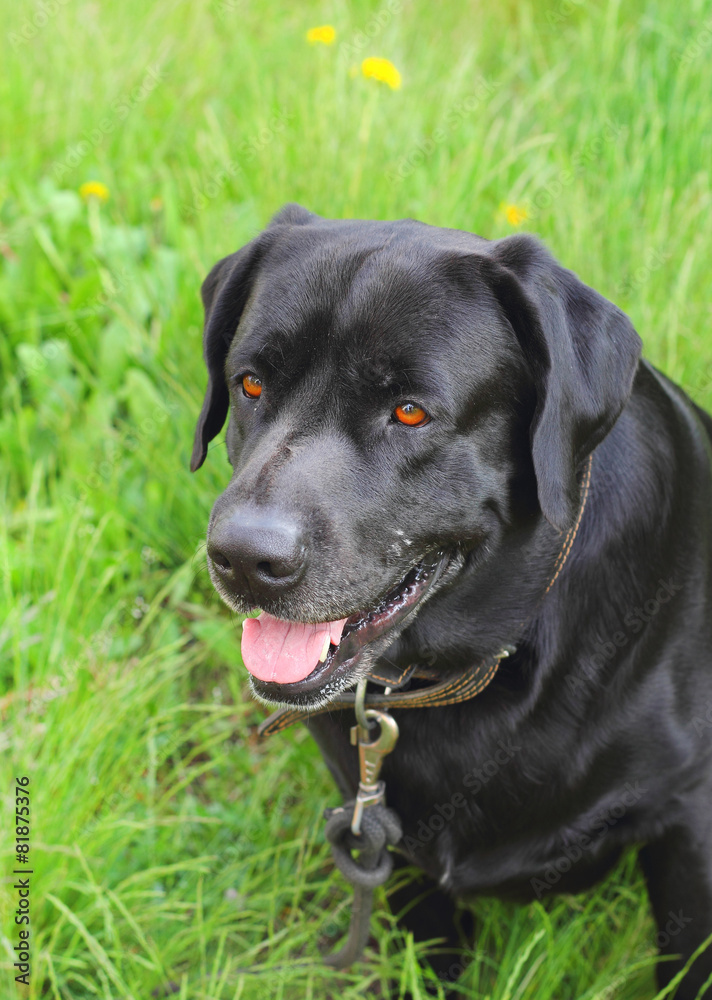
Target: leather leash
[453, 688]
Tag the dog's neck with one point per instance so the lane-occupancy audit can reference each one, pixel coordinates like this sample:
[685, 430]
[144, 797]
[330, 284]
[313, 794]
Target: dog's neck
[505, 596]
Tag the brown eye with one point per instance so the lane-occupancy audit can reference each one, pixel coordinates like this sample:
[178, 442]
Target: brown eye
[251, 385]
[411, 414]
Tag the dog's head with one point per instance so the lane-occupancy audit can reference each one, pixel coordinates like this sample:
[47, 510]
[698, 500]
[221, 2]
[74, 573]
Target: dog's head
[398, 396]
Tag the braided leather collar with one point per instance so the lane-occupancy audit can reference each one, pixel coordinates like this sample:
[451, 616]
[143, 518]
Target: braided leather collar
[451, 689]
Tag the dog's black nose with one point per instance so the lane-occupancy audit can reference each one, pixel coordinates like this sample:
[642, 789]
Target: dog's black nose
[257, 551]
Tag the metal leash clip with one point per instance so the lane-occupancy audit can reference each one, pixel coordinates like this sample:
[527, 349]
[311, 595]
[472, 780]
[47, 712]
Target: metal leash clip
[371, 791]
[365, 825]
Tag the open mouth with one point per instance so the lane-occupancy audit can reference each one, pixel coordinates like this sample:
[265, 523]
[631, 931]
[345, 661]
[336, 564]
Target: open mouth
[293, 662]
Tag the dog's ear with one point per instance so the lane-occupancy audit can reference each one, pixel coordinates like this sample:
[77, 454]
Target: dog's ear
[225, 292]
[292, 214]
[583, 353]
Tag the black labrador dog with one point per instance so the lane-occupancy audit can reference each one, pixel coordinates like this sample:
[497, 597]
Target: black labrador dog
[418, 419]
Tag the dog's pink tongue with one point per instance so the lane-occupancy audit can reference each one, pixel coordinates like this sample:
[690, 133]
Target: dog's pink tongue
[285, 652]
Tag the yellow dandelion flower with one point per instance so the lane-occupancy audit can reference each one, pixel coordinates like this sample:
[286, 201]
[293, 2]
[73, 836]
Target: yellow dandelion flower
[382, 70]
[515, 215]
[324, 34]
[94, 189]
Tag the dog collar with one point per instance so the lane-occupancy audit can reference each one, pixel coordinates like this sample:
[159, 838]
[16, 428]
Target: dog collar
[451, 689]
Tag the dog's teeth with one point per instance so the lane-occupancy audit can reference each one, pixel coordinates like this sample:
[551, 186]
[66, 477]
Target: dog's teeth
[325, 650]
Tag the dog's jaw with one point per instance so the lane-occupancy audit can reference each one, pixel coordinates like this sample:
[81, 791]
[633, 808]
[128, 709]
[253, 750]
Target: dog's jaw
[338, 674]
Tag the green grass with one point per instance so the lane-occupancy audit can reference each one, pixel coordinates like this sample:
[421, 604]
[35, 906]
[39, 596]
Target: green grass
[168, 845]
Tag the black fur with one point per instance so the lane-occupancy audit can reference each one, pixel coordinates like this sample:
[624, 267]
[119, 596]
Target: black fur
[597, 732]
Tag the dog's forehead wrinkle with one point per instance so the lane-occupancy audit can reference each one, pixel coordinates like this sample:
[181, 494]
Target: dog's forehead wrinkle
[345, 272]
[390, 291]
[349, 308]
